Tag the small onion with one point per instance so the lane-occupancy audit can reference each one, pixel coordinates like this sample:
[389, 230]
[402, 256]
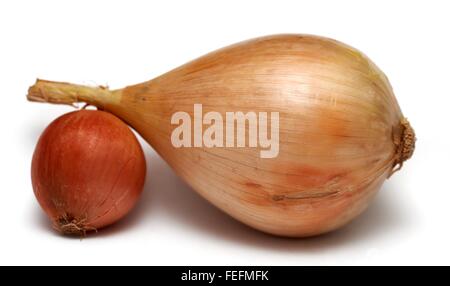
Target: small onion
[88, 171]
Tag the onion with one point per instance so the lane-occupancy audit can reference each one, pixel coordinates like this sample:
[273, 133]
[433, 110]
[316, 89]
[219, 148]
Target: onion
[88, 171]
[340, 130]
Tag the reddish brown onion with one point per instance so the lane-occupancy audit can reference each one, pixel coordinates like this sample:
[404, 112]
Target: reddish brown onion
[88, 171]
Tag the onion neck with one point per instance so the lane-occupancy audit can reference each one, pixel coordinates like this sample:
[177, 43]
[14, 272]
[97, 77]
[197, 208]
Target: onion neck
[67, 93]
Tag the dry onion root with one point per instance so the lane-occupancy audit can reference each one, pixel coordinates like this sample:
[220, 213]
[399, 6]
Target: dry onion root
[341, 130]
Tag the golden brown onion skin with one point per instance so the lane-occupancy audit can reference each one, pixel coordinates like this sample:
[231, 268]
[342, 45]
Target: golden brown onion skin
[338, 116]
[341, 129]
[88, 170]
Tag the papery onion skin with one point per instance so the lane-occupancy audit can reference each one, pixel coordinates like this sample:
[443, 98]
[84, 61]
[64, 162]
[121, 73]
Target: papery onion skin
[88, 170]
[342, 132]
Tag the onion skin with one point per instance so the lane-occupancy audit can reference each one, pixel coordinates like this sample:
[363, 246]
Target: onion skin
[342, 132]
[88, 170]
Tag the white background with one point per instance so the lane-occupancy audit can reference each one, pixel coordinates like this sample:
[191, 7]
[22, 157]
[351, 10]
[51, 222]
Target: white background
[117, 43]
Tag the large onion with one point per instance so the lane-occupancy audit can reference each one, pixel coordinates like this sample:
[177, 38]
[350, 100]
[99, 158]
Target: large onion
[88, 171]
[341, 131]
